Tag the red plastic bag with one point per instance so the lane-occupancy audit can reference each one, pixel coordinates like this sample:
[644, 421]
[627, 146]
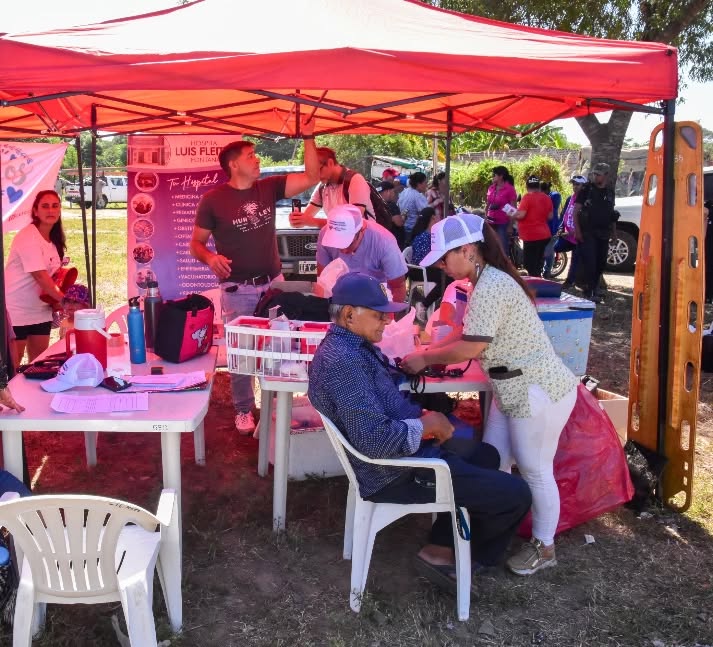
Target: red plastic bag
[590, 466]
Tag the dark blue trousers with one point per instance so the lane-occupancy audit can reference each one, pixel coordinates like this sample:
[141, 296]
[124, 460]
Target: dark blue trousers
[8, 483]
[496, 501]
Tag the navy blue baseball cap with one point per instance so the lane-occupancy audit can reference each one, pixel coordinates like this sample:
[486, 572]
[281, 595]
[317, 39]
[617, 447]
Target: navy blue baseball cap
[357, 289]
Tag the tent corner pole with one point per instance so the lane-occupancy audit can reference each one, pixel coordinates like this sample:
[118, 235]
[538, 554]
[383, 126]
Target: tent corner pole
[82, 206]
[93, 294]
[669, 131]
[4, 336]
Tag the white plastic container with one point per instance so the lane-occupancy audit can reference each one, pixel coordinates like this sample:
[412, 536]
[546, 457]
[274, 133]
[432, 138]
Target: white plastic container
[568, 323]
[253, 348]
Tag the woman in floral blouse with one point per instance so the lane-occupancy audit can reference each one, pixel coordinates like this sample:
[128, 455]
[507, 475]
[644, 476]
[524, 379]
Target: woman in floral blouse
[534, 391]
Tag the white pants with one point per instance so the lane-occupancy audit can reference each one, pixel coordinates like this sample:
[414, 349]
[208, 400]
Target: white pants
[531, 443]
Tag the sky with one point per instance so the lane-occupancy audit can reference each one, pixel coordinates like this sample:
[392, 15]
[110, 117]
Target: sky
[43, 14]
[693, 105]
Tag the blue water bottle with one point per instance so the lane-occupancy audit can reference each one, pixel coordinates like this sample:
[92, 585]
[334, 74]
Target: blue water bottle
[135, 323]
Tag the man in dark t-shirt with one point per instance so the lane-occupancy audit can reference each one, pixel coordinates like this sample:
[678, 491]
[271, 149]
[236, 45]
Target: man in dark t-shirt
[594, 226]
[387, 190]
[240, 216]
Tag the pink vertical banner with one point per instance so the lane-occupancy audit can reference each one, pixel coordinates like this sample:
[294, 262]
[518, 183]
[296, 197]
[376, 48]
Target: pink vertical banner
[168, 174]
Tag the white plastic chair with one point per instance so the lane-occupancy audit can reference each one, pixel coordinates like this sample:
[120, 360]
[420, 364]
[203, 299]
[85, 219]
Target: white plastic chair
[365, 518]
[214, 295]
[424, 285]
[118, 317]
[81, 549]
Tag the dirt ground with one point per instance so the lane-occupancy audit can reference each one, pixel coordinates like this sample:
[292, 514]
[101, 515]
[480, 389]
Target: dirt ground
[645, 581]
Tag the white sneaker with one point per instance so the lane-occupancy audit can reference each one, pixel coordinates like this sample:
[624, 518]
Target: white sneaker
[245, 423]
[421, 312]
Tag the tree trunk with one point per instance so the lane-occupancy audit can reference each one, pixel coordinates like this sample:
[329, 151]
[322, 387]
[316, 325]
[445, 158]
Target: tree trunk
[607, 139]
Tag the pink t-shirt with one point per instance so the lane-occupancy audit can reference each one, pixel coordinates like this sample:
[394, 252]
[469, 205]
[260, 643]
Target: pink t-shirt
[497, 198]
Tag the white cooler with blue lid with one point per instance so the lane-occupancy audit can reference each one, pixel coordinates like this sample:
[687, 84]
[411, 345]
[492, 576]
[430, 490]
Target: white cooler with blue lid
[568, 323]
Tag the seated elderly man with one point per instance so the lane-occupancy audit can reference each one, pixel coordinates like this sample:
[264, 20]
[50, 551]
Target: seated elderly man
[364, 245]
[352, 383]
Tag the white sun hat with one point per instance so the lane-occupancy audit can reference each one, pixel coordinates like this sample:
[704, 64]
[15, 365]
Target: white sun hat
[80, 370]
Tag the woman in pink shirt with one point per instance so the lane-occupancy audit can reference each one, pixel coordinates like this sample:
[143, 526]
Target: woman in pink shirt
[500, 193]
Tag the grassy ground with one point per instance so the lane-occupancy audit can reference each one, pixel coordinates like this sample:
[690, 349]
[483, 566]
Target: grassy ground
[645, 581]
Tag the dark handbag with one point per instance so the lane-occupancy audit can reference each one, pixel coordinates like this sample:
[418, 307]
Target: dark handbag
[185, 328]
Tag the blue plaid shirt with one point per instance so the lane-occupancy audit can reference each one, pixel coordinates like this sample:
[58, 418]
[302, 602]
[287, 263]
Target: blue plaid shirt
[351, 384]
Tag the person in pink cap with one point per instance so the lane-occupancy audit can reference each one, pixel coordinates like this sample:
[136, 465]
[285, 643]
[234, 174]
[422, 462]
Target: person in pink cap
[388, 174]
[534, 391]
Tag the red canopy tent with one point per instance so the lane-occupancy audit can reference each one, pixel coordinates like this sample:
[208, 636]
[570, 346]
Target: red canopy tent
[376, 66]
[370, 67]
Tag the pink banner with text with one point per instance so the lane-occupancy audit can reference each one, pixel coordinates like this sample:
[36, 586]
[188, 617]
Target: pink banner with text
[26, 168]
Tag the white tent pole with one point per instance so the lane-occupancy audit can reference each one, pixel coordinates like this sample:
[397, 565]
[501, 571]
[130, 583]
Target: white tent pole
[95, 197]
[80, 177]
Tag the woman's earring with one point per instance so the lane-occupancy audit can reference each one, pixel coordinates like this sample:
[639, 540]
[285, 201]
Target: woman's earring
[477, 270]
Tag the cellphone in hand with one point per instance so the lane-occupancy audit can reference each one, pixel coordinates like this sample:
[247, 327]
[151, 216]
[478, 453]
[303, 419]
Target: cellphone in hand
[296, 204]
[114, 383]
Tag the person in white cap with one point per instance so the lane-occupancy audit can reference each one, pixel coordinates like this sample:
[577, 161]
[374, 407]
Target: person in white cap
[364, 245]
[534, 391]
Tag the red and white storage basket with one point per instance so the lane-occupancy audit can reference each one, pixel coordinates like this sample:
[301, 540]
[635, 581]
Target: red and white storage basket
[254, 348]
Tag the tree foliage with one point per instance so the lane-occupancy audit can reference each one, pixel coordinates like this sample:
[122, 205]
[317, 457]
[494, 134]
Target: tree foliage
[684, 24]
[111, 151]
[469, 183]
[547, 137]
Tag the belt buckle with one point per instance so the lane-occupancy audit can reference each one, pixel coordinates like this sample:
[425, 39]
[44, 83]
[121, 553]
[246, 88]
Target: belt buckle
[263, 279]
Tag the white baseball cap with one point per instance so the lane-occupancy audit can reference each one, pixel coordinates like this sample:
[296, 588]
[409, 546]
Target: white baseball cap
[343, 223]
[80, 370]
[452, 232]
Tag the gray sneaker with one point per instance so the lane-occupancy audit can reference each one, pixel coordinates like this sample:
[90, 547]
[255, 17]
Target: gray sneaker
[530, 559]
[245, 423]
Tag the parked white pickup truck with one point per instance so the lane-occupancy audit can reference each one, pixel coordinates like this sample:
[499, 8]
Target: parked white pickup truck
[622, 252]
[114, 190]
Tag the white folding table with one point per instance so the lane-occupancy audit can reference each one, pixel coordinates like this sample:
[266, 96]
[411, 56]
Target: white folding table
[474, 379]
[169, 414]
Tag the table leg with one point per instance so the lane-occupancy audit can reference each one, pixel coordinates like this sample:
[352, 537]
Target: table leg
[263, 452]
[12, 452]
[172, 550]
[199, 443]
[90, 447]
[484, 398]
[282, 452]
